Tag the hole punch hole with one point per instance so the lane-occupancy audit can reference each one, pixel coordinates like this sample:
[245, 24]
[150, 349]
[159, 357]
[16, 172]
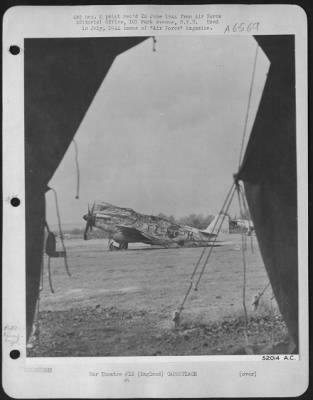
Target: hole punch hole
[15, 201]
[14, 50]
[15, 354]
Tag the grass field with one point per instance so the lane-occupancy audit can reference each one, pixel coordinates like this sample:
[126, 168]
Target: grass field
[121, 303]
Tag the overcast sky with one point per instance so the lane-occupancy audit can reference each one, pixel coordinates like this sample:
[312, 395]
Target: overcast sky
[163, 133]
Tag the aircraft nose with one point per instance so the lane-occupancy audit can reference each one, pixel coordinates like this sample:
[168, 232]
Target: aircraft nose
[85, 217]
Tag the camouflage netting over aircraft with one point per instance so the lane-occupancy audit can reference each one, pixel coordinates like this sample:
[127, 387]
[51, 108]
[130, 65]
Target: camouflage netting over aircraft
[126, 216]
[125, 225]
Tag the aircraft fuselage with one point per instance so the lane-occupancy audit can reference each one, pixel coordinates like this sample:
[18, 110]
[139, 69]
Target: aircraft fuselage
[125, 226]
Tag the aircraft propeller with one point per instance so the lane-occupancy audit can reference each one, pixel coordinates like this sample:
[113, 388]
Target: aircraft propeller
[90, 220]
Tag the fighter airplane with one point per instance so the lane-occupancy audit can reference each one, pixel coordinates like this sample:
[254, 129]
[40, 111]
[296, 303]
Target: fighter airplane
[124, 226]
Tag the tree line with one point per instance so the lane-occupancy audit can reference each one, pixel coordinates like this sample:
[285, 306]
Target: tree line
[198, 221]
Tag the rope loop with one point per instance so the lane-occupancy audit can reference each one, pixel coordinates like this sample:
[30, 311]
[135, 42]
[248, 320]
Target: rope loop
[154, 43]
[244, 264]
[248, 106]
[77, 169]
[60, 231]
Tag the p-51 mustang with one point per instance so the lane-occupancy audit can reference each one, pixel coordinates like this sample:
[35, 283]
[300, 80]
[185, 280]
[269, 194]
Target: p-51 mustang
[124, 225]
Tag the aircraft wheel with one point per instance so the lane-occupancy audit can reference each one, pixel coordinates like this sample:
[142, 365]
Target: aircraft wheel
[124, 246]
[111, 247]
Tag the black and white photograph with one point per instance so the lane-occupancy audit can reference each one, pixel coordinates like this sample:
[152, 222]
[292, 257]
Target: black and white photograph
[161, 177]
[133, 206]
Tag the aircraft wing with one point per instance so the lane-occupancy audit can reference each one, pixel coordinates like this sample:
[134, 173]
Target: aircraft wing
[137, 235]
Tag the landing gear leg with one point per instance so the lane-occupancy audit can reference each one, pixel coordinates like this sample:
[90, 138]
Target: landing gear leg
[123, 246]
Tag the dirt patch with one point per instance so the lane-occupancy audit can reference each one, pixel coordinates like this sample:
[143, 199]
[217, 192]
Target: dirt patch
[103, 332]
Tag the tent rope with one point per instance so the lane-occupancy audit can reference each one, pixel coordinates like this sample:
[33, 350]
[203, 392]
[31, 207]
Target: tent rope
[36, 333]
[247, 213]
[273, 323]
[49, 263]
[248, 107]
[41, 277]
[180, 308]
[39, 298]
[213, 229]
[257, 299]
[154, 43]
[215, 239]
[243, 252]
[49, 275]
[77, 169]
[60, 231]
[224, 210]
[47, 227]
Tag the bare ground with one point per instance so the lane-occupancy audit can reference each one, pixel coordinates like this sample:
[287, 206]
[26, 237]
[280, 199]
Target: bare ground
[122, 303]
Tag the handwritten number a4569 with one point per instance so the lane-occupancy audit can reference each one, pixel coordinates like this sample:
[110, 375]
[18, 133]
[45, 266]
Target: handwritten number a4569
[252, 27]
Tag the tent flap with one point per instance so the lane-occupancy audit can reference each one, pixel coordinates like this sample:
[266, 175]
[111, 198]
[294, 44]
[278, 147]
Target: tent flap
[61, 78]
[269, 172]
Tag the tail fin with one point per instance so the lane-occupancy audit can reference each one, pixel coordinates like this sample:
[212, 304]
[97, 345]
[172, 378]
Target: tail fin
[214, 225]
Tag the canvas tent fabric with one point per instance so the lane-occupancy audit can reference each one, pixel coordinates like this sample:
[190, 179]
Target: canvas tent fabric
[61, 79]
[269, 172]
[61, 76]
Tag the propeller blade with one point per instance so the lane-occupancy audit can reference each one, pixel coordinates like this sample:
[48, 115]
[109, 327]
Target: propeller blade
[90, 220]
[86, 231]
[93, 207]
